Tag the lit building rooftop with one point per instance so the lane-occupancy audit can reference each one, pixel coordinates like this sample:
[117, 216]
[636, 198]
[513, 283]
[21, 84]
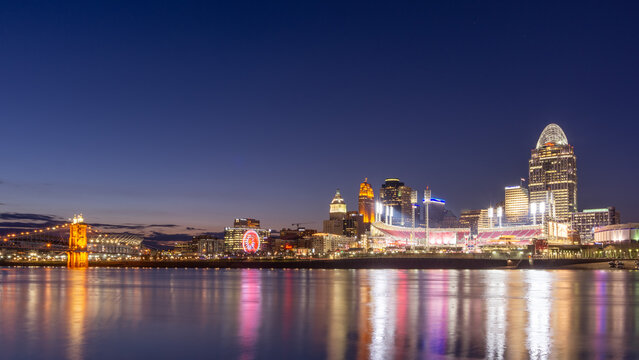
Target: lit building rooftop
[552, 135]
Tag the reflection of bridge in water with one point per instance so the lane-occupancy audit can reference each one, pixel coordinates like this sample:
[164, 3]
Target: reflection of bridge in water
[76, 238]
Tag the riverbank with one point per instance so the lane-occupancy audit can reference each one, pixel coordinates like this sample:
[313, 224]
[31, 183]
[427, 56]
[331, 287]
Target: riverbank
[350, 263]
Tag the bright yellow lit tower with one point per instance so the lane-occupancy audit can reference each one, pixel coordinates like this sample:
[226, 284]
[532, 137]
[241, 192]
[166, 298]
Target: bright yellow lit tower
[366, 202]
[553, 175]
[77, 256]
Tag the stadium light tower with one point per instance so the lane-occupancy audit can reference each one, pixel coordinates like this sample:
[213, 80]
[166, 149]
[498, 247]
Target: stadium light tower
[490, 216]
[427, 199]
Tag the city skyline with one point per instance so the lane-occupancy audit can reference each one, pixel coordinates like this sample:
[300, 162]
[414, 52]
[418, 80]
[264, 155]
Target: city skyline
[159, 232]
[112, 123]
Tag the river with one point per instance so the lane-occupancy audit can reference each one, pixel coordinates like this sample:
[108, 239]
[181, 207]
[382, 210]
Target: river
[102, 313]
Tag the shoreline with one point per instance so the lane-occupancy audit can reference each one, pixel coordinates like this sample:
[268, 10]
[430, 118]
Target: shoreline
[350, 263]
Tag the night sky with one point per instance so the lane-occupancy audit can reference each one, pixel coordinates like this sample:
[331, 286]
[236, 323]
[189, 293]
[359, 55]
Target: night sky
[194, 113]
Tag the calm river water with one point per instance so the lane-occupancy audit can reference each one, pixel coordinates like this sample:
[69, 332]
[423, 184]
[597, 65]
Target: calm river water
[55, 313]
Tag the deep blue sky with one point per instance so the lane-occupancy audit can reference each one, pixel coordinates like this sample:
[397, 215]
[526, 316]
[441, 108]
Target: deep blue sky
[194, 113]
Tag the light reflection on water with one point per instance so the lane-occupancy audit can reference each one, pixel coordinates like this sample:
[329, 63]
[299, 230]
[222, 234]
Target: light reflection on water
[317, 314]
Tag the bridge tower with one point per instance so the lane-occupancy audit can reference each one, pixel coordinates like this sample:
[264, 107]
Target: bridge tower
[77, 256]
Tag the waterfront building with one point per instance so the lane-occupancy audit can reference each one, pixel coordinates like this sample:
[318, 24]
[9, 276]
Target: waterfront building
[552, 171]
[233, 235]
[366, 202]
[207, 245]
[617, 233]
[323, 243]
[185, 249]
[516, 204]
[585, 222]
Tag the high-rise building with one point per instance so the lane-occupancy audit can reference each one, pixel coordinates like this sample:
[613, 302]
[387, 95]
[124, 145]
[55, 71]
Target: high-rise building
[354, 224]
[586, 221]
[389, 192]
[470, 219]
[406, 205]
[486, 218]
[516, 204]
[394, 194]
[367, 202]
[552, 171]
[340, 221]
[336, 216]
[338, 207]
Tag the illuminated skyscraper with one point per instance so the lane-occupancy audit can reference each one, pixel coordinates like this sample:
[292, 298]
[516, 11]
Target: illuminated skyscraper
[553, 174]
[366, 202]
[336, 216]
[516, 204]
[394, 194]
[338, 207]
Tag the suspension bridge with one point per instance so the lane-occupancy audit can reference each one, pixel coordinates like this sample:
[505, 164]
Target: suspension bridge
[76, 239]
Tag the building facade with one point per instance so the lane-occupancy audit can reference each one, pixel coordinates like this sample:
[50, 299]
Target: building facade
[486, 218]
[366, 202]
[354, 225]
[470, 219]
[323, 243]
[336, 216]
[585, 222]
[552, 171]
[617, 233]
[337, 208]
[341, 222]
[208, 246]
[516, 204]
[233, 235]
[396, 200]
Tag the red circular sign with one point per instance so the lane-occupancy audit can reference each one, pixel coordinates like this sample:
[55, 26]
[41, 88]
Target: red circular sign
[251, 241]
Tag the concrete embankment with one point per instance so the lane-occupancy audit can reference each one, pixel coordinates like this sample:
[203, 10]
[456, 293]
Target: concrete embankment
[353, 263]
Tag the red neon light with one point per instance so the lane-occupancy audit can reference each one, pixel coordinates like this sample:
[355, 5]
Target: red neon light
[251, 241]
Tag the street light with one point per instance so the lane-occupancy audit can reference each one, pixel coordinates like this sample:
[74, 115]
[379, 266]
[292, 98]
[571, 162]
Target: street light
[490, 216]
[500, 212]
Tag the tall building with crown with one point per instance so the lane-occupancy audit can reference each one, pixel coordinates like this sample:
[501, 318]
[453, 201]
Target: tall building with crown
[552, 171]
[338, 207]
[340, 221]
[367, 202]
[336, 216]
